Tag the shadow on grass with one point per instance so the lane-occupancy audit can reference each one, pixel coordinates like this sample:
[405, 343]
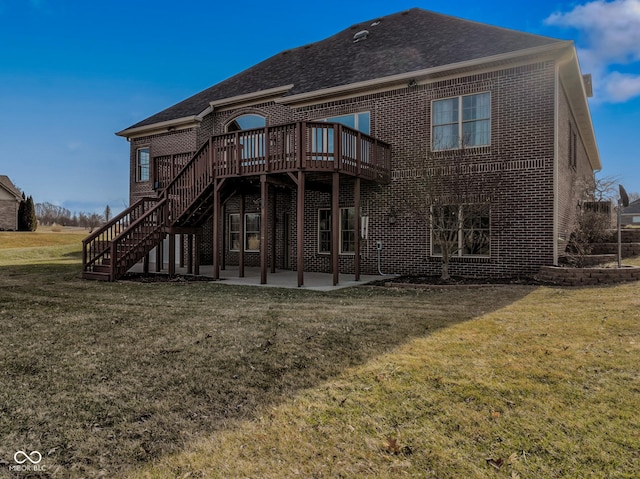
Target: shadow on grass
[108, 376]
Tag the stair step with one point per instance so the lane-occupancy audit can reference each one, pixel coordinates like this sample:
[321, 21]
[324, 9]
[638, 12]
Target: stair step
[101, 268]
[96, 276]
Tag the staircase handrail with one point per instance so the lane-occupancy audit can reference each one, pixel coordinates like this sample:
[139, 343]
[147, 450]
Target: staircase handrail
[117, 259]
[91, 254]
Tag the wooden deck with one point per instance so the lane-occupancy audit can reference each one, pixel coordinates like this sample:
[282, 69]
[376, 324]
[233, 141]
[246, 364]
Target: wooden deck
[194, 192]
[309, 146]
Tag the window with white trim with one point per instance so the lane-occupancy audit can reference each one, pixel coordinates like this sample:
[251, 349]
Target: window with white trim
[142, 164]
[461, 122]
[347, 234]
[358, 121]
[463, 229]
[251, 239]
[234, 232]
[322, 139]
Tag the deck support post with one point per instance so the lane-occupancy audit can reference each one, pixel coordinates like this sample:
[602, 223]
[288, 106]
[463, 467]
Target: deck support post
[216, 225]
[145, 264]
[181, 250]
[241, 246]
[172, 254]
[300, 228]
[335, 227]
[356, 213]
[159, 256]
[223, 256]
[196, 256]
[264, 209]
[190, 253]
[273, 231]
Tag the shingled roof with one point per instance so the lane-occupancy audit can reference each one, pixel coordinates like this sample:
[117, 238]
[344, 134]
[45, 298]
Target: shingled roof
[399, 43]
[6, 183]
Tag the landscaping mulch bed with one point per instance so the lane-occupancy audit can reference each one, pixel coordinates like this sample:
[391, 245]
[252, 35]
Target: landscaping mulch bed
[423, 281]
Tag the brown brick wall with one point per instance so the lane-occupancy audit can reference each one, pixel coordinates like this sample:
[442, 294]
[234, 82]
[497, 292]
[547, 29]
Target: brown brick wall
[574, 178]
[170, 143]
[9, 215]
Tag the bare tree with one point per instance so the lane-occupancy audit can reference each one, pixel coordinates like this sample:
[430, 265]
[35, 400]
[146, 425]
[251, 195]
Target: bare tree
[605, 188]
[107, 213]
[455, 201]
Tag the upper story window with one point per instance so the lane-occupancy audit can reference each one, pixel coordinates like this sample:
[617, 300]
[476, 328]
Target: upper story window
[358, 121]
[251, 143]
[247, 122]
[461, 122]
[142, 164]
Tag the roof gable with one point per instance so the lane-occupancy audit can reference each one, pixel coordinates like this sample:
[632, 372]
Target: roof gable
[399, 43]
[633, 208]
[7, 185]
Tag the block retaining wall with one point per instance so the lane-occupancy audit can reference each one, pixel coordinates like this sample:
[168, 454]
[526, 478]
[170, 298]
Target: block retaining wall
[587, 276]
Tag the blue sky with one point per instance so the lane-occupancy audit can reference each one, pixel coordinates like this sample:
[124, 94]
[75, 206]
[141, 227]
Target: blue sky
[72, 73]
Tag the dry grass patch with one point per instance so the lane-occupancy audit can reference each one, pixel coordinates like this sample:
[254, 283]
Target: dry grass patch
[102, 378]
[546, 386]
[207, 380]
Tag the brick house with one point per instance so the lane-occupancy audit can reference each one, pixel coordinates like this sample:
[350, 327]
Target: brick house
[10, 198]
[630, 216]
[337, 155]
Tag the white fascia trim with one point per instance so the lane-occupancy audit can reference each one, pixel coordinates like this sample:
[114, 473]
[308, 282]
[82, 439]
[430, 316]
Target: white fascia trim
[414, 75]
[249, 98]
[571, 76]
[163, 126]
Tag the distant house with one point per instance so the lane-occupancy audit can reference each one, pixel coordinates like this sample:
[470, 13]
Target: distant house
[320, 157]
[10, 198]
[630, 216]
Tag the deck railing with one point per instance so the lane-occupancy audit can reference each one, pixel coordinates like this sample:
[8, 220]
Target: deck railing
[97, 244]
[142, 235]
[310, 146]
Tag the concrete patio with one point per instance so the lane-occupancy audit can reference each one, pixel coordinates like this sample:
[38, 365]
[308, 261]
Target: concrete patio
[279, 279]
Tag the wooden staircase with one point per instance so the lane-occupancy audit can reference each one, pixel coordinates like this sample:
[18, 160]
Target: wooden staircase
[112, 250]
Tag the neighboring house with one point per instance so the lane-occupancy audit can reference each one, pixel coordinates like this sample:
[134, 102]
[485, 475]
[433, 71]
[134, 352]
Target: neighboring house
[329, 157]
[630, 216]
[10, 198]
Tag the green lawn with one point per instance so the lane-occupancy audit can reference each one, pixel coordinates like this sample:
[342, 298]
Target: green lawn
[206, 380]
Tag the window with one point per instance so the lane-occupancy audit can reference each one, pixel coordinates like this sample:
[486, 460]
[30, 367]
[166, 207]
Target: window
[234, 232]
[324, 231]
[461, 122]
[347, 230]
[358, 121]
[247, 122]
[142, 164]
[573, 144]
[322, 138]
[251, 232]
[462, 229]
[252, 143]
[347, 233]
